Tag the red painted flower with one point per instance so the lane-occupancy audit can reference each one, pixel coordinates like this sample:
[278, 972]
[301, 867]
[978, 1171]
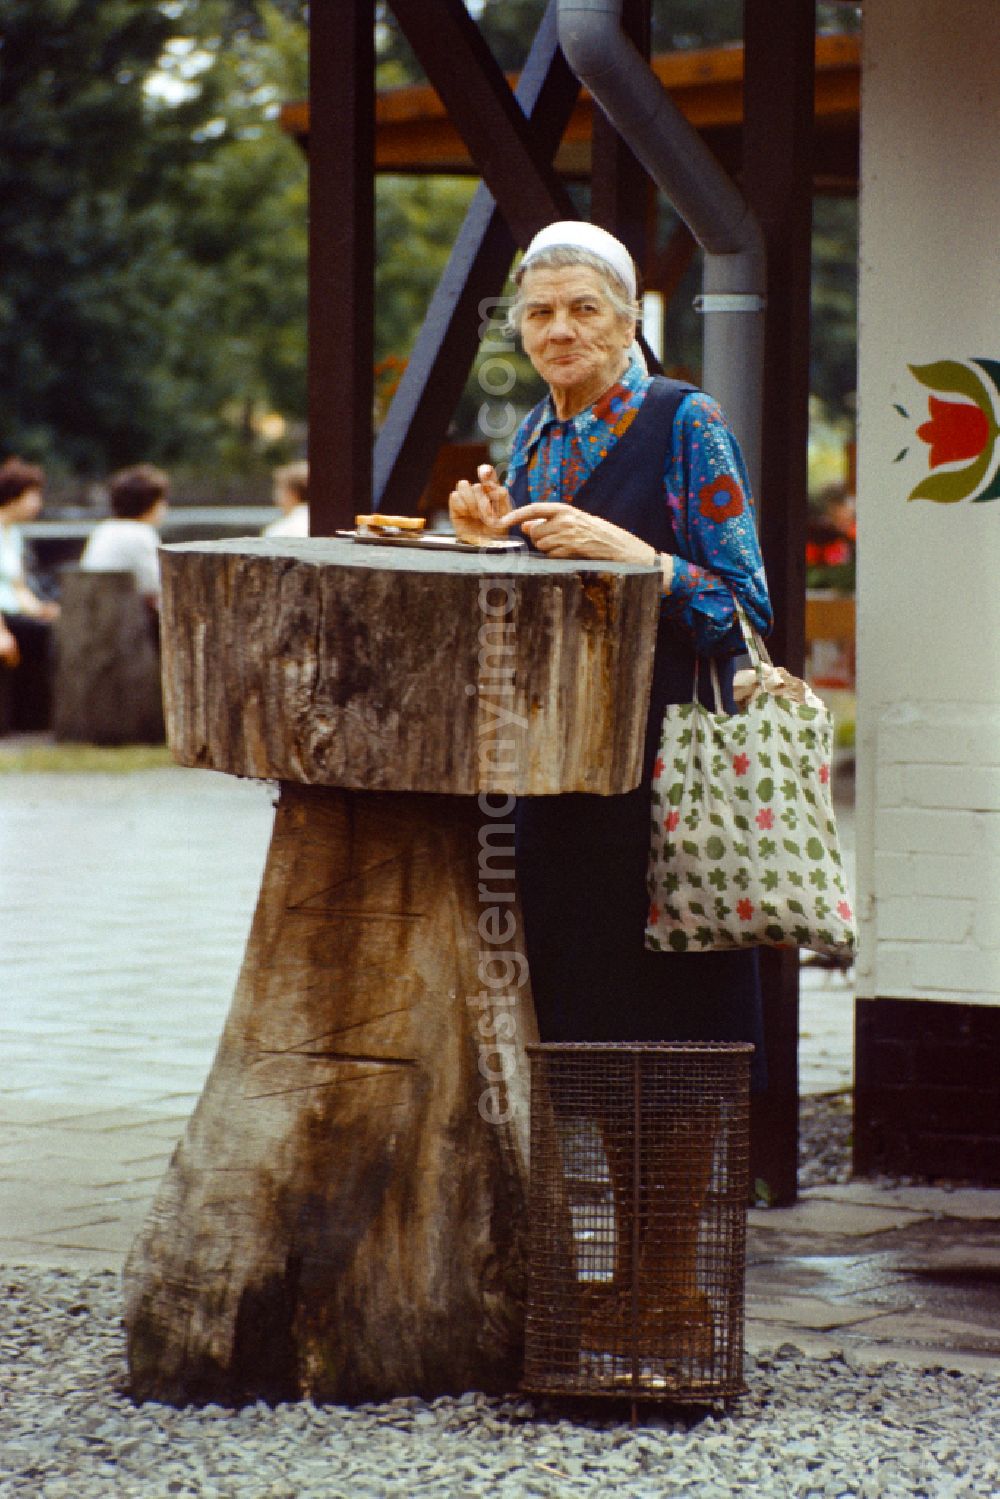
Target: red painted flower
[741, 764]
[824, 774]
[731, 507]
[744, 909]
[765, 819]
[956, 433]
[673, 818]
[658, 767]
[844, 911]
[654, 915]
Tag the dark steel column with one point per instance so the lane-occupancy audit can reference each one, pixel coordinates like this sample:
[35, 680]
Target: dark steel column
[620, 190]
[780, 40]
[341, 260]
[417, 420]
[622, 196]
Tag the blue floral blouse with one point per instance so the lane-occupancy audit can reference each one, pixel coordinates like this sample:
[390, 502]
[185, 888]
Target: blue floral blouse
[705, 487]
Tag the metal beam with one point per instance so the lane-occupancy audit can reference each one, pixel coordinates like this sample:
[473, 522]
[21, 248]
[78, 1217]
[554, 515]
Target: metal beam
[341, 260]
[504, 146]
[437, 369]
[779, 83]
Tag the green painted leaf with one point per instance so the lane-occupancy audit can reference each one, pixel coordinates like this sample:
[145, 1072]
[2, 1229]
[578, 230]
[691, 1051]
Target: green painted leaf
[797, 907]
[739, 821]
[715, 848]
[814, 848]
[950, 376]
[791, 847]
[765, 788]
[678, 941]
[956, 484]
[675, 793]
[690, 848]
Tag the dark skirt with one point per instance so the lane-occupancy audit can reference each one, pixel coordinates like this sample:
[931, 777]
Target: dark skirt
[581, 872]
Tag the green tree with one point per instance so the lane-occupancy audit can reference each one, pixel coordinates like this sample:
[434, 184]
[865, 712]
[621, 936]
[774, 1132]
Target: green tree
[152, 228]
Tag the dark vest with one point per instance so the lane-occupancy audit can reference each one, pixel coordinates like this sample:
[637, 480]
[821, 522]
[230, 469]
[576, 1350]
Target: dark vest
[581, 859]
[626, 488]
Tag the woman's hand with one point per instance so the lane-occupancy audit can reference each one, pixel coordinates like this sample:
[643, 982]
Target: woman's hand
[563, 531]
[477, 510]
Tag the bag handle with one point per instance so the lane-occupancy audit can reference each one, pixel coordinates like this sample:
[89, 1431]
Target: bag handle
[713, 678]
[756, 650]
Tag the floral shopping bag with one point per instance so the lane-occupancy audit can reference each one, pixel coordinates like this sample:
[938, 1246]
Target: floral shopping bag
[744, 846]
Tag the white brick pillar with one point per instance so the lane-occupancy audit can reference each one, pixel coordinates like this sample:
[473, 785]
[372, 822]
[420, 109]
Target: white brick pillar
[928, 790]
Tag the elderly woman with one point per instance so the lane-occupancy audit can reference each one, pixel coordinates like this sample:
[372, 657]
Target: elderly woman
[616, 465]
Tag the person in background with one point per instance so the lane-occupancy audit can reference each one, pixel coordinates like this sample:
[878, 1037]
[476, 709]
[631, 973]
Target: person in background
[25, 619]
[291, 495]
[129, 541]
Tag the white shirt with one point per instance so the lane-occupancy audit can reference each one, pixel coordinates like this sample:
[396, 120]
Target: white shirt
[122, 546]
[11, 569]
[294, 522]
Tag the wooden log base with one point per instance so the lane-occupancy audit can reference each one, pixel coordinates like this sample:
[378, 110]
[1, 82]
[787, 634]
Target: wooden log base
[343, 1217]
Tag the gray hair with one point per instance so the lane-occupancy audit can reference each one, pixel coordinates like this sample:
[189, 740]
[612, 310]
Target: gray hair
[560, 258]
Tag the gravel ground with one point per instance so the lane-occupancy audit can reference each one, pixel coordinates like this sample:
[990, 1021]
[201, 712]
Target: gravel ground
[825, 1126]
[807, 1429]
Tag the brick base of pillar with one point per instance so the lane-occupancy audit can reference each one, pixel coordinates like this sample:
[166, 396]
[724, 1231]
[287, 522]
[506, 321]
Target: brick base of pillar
[927, 1090]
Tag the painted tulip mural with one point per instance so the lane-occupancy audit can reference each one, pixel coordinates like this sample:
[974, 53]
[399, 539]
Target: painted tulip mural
[960, 431]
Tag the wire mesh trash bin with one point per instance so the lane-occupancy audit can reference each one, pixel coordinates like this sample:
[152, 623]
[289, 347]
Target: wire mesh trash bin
[637, 1220]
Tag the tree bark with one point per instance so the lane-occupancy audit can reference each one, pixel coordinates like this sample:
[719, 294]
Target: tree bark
[343, 1217]
[107, 686]
[388, 669]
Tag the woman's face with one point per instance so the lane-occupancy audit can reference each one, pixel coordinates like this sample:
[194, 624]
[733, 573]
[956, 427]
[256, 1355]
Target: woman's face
[22, 510]
[571, 333]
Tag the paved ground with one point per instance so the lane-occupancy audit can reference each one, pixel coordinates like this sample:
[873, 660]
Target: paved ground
[126, 902]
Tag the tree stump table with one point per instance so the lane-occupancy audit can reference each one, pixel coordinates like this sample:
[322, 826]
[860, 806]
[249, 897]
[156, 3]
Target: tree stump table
[343, 1217]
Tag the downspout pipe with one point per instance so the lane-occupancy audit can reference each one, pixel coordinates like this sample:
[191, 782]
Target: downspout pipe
[734, 285]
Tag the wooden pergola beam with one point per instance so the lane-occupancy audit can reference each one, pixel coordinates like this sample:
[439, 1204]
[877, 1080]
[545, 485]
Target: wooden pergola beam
[413, 133]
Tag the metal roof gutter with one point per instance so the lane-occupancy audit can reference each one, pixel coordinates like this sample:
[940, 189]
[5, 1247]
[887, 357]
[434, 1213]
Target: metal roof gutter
[733, 288]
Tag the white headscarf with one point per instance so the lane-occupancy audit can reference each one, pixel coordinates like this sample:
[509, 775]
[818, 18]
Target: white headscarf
[576, 234]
